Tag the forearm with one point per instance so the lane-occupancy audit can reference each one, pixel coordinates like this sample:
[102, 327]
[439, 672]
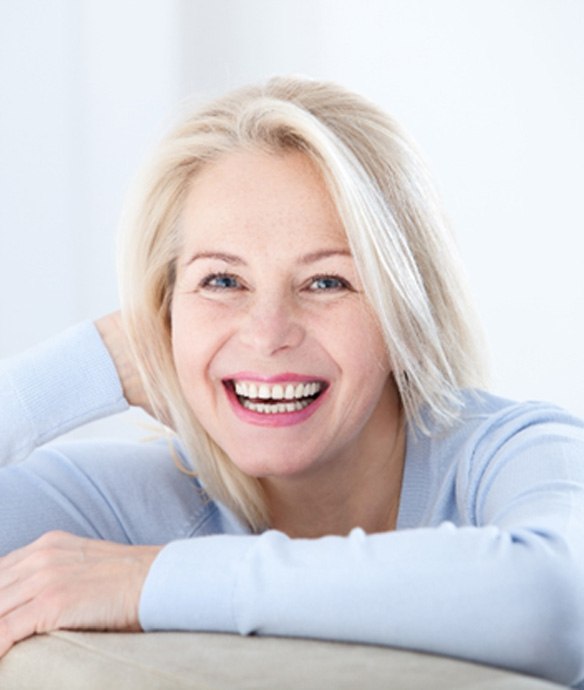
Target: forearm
[54, 387]
[475, 593]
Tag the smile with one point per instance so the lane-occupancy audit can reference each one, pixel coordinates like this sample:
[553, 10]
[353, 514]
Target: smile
[278, 398]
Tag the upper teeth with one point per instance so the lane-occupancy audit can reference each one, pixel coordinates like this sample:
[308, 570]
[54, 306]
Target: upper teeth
[278, 391]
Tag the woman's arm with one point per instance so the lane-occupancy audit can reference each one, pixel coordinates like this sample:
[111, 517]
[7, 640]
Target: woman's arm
[60, 579]
[54, 387]
[80, 375]
[507, 591]
[86, 584]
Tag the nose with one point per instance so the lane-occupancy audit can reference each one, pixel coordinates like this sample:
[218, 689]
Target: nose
[271, 324]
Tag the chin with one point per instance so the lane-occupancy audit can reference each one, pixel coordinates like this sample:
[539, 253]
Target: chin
[269, 468]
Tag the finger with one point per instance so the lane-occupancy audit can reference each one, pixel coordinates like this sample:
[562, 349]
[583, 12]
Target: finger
[80, 584]
[7, 579]
[37, 558]
[16, 626]
[29, 570]
[21, 592]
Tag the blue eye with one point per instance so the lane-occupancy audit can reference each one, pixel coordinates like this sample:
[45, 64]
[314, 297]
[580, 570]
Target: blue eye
[328, 284]
[220, 281]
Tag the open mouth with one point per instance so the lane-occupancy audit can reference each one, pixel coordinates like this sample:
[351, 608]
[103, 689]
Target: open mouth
[278, 398]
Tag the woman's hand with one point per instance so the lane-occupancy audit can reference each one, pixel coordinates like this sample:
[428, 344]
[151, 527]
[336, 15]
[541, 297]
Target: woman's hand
[62, 581]
[112, 331]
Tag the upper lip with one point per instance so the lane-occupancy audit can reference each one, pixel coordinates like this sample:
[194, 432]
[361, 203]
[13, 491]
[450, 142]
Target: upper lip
[277, 378]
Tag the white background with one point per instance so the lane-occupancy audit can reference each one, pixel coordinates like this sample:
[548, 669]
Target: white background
[492, 90]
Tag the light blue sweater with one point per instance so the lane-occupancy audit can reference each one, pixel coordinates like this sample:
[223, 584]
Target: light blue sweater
[487, 562]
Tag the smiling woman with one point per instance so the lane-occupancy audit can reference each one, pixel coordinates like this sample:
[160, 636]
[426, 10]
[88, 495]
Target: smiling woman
[296, 171]
[293, 310]
[287, 304]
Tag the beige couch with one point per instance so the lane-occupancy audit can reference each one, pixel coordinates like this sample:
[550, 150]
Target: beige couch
[98, 661]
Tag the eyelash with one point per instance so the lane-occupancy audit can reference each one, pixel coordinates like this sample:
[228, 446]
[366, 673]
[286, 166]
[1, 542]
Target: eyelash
[206, 283]
[344, 284]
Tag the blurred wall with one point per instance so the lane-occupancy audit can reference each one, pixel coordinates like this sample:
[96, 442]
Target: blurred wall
[492, 91]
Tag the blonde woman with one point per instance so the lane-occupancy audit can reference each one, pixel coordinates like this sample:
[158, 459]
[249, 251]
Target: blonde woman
[294, 312]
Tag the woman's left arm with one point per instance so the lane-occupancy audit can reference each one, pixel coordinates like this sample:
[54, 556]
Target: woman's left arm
[506, 591]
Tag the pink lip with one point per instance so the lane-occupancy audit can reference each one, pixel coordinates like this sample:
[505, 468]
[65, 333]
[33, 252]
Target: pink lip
[280, 419]
[278, 378]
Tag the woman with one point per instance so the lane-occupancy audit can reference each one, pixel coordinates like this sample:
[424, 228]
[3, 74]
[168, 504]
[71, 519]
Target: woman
[293, 310]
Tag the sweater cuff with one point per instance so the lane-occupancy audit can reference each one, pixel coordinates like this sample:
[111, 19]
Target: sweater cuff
[192, 584]
[61, 384]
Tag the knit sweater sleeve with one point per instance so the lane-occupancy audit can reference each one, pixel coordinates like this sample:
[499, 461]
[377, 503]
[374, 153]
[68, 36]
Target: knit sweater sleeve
[502, 586]
[54, 387]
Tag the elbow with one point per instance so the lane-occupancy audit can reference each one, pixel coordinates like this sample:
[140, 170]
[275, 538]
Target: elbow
[567, 624]
[552, 642]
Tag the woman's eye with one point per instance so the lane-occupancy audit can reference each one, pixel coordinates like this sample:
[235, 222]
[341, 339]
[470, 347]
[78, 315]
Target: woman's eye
[328, 284]
[220, 281]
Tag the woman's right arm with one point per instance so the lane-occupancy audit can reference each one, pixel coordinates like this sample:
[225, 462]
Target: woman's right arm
[129, 492]
[63, 383]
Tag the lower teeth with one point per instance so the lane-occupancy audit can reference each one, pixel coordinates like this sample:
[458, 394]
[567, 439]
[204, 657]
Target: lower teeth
[276, 408]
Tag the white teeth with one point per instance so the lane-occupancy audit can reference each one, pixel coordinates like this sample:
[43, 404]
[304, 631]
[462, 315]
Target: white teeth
[265, 408]
[290, 397]
[278, 391]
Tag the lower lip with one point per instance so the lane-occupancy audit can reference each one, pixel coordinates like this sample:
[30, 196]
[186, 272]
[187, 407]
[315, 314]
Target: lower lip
[277, 419]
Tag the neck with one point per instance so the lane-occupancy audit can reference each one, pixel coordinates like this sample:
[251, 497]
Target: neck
[360, 490]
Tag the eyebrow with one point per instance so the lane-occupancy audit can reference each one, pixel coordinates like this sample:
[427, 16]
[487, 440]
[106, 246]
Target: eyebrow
[323, 254]
[235, 260]
[222, 256]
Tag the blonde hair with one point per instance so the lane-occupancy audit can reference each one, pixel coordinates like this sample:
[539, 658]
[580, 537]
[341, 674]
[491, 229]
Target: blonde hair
[403, 252]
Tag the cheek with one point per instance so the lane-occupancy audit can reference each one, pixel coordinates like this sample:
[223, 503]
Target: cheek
[193, 355]
[364, 349]
[189, 345]
[197, 346]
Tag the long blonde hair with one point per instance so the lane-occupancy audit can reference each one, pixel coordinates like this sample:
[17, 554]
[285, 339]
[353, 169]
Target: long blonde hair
[402, 249]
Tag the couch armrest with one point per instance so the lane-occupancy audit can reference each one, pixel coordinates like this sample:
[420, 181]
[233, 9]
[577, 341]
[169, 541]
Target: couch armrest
[200, 661]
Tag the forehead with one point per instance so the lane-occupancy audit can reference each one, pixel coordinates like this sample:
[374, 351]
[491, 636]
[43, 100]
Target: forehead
[253, 196]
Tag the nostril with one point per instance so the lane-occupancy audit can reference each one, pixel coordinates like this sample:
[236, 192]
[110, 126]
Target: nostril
[268, 334]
